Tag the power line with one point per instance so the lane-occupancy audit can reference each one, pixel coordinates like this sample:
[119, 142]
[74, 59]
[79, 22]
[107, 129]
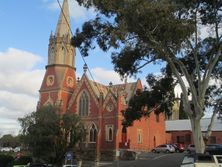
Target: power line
[65, 17]
[80, 54]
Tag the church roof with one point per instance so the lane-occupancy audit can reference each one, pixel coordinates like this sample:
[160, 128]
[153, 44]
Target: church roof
[127, 89]
[98, 87]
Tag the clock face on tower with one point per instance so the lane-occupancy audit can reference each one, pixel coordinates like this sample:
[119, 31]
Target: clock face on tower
[50, 80]
[70, 81]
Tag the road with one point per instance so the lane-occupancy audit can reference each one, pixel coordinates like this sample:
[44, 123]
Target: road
[149, 160]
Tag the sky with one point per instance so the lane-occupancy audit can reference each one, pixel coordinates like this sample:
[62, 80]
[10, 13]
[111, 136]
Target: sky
[24, 36]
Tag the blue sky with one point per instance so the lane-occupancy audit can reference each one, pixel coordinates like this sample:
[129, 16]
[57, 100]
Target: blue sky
[24, 33]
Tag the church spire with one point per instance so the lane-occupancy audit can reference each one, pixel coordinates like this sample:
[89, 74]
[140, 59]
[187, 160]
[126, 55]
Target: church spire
[63, 25]
[60, 49]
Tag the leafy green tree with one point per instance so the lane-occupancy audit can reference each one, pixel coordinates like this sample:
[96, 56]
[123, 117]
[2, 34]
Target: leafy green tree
[10, 141]
[146, 31]
[158, 97]
[49, 135]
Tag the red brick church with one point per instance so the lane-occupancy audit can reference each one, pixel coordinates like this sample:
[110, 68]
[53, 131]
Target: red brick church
[98, 105]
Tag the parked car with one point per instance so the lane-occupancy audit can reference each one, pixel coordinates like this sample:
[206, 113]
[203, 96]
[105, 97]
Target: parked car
[167, 148]
[213, 149]
[191, 148]
[178, 147]
[17, 149]
[6, 149]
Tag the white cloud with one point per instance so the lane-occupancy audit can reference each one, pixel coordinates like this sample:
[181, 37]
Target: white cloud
[106, 76]
[20, 81]
[9, 126]
[17, 60]
[76, 12]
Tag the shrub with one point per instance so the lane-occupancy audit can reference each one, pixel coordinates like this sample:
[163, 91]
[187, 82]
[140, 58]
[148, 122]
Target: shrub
[5, 160]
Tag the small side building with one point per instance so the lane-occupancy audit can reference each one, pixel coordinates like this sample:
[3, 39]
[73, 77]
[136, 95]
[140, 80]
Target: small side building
[179, 131]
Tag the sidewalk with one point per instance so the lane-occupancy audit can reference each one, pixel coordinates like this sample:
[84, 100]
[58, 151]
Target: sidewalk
[188, 161]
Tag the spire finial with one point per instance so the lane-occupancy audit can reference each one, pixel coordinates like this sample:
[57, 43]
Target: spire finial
[63, 25]
[85, 68]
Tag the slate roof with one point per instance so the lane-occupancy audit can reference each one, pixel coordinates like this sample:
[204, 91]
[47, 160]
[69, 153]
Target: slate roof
[98, 87]
[127, 88]
[184, 125]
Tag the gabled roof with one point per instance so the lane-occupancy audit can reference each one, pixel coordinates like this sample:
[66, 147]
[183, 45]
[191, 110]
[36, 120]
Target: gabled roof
[184, 125]
[128, 88]
[98, 88]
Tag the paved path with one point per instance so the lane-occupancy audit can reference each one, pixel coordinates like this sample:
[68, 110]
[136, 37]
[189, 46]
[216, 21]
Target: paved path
[146, 160]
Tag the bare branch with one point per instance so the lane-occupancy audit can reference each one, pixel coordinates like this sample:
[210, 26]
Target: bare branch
[148, 62]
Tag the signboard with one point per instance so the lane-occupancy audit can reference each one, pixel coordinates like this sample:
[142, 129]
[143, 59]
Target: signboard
[69, 155]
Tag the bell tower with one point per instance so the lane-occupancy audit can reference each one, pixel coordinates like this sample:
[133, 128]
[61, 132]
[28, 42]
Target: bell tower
[60, 78]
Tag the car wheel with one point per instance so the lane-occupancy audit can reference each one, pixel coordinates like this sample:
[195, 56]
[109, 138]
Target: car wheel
[167, 151]
[153, 150]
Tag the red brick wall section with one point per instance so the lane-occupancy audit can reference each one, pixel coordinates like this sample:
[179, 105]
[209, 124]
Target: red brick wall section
[58, 90]
[133, 132]
[218, 136]
[157, 130]
[182, 136]
[168, 138]
[70, 73]
[153, 132]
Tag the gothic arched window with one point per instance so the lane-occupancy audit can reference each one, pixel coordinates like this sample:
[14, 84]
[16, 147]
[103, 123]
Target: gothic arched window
[83, 104]
[109, 132]
[51, 55]
[92, 134]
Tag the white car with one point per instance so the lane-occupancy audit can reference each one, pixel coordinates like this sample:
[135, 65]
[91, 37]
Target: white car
[6, 149]
[17, 149]
[167, 148]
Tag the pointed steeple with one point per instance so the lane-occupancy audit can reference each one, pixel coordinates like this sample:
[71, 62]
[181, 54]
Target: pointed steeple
[63, 25]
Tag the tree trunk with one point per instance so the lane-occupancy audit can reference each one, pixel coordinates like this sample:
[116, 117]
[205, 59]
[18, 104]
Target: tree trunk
[197, 135]
[209, 129]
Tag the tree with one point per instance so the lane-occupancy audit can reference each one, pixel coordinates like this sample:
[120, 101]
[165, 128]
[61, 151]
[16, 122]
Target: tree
[49, 135]
[146, 31]
[158, 97]
[182, 113]
[10, 141]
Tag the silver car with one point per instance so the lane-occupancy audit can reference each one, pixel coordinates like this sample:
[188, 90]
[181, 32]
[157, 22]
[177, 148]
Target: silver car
[166, 148]
[191, 148]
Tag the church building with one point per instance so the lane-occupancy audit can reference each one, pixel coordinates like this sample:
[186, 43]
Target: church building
[99, 106]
